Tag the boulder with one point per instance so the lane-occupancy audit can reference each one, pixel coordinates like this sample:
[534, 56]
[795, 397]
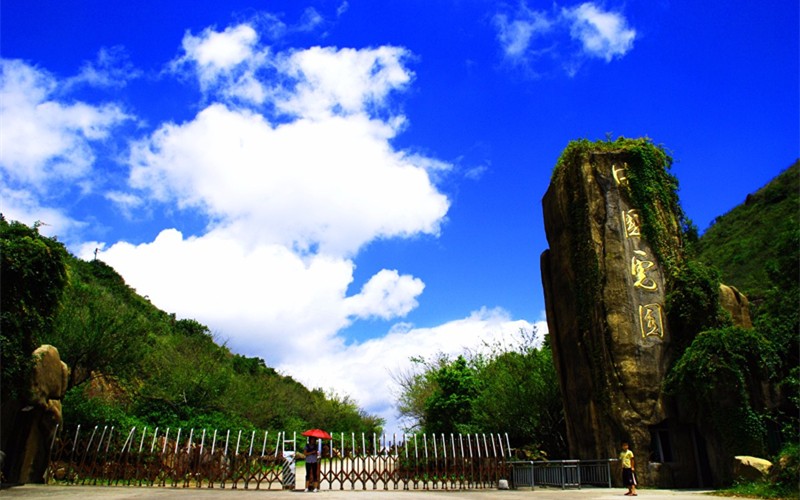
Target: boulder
[31, 425]
[50, 375]
[750, 468]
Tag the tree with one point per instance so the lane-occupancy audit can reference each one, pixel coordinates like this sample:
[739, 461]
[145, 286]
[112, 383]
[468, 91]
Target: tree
[335, 412]
[33, 273]
[778, 319]
[415, 387]
[97, 332]
[503, 388]
[449, 408]
[521, 396]
[183, 376]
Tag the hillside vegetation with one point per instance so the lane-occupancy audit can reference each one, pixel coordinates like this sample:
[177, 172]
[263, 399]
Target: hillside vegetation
[134, 364]
[740, 242]
[745, 384]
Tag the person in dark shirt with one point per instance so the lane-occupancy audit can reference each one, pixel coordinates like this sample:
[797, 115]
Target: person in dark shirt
[312, 465]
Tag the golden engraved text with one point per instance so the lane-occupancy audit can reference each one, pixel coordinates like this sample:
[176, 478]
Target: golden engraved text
[631, 220]
[650, 321]
[639, 268]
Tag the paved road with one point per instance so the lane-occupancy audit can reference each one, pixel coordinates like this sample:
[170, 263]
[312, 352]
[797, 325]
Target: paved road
[136, 493]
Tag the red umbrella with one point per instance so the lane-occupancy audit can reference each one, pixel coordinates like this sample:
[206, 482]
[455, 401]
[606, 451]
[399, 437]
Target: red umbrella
[317, 433]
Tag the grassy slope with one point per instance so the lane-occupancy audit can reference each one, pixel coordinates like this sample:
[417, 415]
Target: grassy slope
[741, 241]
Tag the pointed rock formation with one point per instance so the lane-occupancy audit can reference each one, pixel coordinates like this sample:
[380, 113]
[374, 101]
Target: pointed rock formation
[612, 221]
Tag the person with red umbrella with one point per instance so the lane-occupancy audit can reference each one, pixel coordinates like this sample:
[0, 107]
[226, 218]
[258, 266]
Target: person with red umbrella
[311, 452]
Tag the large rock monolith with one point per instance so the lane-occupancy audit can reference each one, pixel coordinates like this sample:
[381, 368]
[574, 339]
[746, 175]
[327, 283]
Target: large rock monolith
[605, 297]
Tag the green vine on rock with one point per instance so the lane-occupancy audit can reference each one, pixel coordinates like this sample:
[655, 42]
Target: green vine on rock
[651, 189]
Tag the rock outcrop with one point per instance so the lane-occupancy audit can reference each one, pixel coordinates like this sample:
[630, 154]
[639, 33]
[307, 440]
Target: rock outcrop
[736, 304]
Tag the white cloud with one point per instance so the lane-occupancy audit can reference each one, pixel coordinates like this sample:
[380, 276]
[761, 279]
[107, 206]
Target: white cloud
[127, 203]
[270, 302]
[226, 62]
[335, 182]
[386, 295]
[23, 206]
[45, 141]
[515, 35]
[603, 34]
[235, 67]
[292, 200]
[217, 52]
[293, 196]
[535, 39]
[111, 69]
[336, 81]
[259, 295]
[310, 20]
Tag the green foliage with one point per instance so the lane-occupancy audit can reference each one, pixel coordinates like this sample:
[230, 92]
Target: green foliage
[693, 302]
[786, 471]
[782, 482]
[520, 395]
[511, 389]
[97, 331]
[449, 408]
[778, 313]
[416, 388]
[741, 241]
[186, 374]
[251, 366]
[33, 273]
[778, 318]
[719, 375]
[756, 247]
[215, 419]
[754, 489]
[78, 409]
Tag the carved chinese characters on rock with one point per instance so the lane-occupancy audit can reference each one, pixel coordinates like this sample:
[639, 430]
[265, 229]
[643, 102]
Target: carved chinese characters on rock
[639, 268]
[620, 174]
[650, 321]
[643, 268]
[630, 219]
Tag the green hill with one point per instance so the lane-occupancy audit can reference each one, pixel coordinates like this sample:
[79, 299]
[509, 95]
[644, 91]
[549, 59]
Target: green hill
[743, 240]
[134, 364]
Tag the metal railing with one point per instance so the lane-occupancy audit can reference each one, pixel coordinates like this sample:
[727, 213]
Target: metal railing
[175, 458]
[200, 458]
[561, 473]
[425, 461]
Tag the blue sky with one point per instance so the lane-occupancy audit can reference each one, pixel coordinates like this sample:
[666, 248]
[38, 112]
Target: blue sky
[364, 179]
